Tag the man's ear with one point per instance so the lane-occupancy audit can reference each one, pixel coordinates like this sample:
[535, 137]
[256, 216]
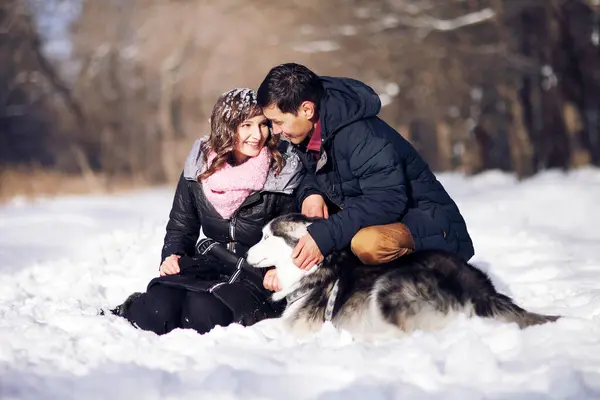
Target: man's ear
[308, 109]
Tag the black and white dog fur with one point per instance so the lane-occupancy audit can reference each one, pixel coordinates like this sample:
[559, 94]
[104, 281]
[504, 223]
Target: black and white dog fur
[424, 290]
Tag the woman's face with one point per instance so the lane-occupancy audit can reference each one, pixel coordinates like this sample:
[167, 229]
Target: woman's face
[252, 135]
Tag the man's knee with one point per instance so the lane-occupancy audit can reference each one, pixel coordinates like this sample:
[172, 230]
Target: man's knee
[382, 243]
[202, 311]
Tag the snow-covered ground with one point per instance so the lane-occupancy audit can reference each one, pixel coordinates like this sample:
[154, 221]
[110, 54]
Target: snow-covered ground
[62, 259]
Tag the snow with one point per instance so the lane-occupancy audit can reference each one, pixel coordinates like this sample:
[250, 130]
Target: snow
[389, 90]
[53, 18]
[427, 22]
[317, 46]
[64, 258]
[238, 101]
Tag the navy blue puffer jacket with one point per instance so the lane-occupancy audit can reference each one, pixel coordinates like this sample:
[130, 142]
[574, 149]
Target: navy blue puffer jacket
[375, 177]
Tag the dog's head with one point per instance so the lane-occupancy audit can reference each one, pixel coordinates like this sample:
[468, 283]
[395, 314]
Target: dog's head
[280, 237]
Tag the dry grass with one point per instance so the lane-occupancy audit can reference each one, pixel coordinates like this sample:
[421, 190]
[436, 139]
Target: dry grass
[32, 184]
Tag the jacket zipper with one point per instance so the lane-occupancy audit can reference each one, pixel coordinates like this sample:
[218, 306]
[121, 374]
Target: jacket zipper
[232, 222]
[231, 245]
[323, 141]
[340, 206]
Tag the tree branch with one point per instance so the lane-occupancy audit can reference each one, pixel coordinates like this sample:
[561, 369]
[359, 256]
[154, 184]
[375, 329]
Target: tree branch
[430, 23]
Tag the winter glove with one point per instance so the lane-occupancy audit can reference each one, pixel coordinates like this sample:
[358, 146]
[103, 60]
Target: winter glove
[247, 306]
[229, 264]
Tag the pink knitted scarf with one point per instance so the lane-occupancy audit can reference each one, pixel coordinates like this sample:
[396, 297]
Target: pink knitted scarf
[227, 188]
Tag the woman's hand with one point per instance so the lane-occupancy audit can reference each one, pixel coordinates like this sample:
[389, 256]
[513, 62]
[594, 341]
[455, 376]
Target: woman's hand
[170, 266]
[271, 282]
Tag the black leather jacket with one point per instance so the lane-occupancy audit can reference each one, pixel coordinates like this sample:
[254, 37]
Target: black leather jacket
[191, 211]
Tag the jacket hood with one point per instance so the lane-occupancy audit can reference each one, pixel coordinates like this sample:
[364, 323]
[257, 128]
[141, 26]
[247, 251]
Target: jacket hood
[346, 100]
[288, 179]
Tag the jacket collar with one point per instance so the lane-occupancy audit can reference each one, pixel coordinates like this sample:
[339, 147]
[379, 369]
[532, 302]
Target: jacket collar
[288, 179]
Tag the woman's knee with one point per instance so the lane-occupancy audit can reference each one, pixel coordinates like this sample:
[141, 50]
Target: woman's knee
[158, 310]
[202, 311]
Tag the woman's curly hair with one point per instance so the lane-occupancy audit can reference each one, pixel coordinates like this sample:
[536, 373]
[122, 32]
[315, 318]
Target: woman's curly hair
[231, 109]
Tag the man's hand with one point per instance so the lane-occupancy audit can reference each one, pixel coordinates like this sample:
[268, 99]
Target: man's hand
[271, 281]
[170, 266]
[314, 206]
[307, 253]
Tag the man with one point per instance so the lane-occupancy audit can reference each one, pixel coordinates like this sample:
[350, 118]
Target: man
[374, 190]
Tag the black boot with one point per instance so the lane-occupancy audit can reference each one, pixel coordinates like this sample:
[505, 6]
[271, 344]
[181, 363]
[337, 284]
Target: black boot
[122, 309]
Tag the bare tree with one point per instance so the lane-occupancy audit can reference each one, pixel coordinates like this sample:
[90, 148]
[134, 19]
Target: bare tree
[473, 84]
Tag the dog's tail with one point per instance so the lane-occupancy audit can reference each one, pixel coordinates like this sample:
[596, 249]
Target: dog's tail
[502, 308]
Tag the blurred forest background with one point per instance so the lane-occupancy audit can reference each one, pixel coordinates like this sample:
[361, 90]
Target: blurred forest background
[102, 95]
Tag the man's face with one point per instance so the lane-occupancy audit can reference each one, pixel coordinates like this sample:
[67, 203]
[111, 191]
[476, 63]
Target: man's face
[294, 128]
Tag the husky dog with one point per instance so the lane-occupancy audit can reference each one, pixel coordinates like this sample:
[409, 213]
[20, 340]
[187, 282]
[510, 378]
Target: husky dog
[423, 290]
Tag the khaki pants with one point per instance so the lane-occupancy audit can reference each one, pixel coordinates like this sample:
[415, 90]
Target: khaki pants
[382, 243]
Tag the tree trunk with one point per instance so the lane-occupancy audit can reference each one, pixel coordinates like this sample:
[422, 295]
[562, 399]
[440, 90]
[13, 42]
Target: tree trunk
[521, 151]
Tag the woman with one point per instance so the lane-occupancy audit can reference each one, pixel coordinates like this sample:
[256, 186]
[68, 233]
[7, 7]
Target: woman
[232, 185]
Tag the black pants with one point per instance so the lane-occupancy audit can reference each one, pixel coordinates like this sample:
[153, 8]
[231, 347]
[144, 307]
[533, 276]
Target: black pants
[163, 308]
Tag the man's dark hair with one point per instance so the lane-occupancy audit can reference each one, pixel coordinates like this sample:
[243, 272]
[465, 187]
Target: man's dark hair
[287, 86]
